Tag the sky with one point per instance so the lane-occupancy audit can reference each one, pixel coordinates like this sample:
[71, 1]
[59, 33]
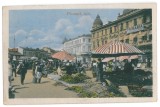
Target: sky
[49, 27]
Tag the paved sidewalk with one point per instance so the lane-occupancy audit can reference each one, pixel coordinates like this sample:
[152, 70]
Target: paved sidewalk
[46, 89]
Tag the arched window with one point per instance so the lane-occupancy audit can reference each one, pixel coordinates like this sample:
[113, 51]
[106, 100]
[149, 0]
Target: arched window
[122, 41]
[93, 44]
[97, 43]
[135, 40]
[127, 41]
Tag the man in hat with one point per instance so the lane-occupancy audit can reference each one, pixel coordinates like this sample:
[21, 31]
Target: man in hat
[100, 71]
[14, 68]
[33, 71]
[23, 71]
[38, 72]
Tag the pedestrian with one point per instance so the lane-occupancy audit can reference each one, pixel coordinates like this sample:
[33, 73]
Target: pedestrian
[128, 68]
[14, 68]
[23, 71]
[38, 72]
[79, 66]
[57, 64]
[10, 79]
[94, 68]
[68, 68]
[100, 71]
[45, 71]
[59, 72]
[10, 75]
[33, 71]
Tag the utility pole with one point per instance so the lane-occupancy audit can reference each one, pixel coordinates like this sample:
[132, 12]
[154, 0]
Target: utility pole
[14, 41]
[14, 57]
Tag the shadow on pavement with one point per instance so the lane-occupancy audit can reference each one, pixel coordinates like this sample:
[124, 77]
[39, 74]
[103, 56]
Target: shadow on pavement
[45, 82]
[21, 88]
[28, 83]
[15, 85]
[15, 92]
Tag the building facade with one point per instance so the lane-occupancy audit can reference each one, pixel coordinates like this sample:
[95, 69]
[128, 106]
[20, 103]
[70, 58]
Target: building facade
[14, 54]
[80, 47]
[133, 26]
[30, 52]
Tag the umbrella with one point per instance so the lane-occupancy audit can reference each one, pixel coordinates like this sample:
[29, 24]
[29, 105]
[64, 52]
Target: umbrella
[134, 57]
[34, 58]
[63, 55]
[50, 60]
[115, 49]
[121, 58]
[108, 59]
[24, 58]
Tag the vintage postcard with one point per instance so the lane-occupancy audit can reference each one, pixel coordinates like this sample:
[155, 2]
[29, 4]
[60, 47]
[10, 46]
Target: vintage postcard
[92, 53]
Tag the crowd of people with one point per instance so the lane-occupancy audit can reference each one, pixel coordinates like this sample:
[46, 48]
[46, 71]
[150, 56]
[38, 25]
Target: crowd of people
[99, 67]
[41, 68]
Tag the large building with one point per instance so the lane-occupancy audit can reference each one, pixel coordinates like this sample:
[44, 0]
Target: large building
[133, 26]
[80, 47]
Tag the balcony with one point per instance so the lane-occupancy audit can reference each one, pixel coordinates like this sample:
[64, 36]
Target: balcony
[145, 42]
[135, 29]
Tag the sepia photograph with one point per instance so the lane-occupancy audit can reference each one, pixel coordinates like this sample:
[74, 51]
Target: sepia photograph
[79, 53]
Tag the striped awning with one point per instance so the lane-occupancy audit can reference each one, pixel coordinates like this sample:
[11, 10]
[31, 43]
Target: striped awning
[63, 55]
[116, 48]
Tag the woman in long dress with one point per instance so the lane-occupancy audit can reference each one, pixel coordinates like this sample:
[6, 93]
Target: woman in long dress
[38, 73]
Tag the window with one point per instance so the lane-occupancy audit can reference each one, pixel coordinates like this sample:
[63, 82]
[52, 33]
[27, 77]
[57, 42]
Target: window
[144, 38]
[93, 35]
[83, 40]
[150, 37]
[93, 45]
[135, 22]
[127, 25]
[122, 41]
[106, 31]
[102, 32]
[89, 48]
[97, 34]
[98, 43]
[110, 29]
[148, 19]
[121, 27]
[135, 40]
[127, 40]
[115, 28]
[89, 40]
[105, 41]
[83, 48]
[102, 42]
[144, 19]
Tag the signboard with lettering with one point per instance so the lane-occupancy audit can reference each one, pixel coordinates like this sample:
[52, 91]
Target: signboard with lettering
[135, 29]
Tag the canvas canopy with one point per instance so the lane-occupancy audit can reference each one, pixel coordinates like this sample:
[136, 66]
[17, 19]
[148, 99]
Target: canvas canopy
[63, 55]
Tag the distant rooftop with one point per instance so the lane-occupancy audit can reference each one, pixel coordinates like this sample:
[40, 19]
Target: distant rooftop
[84, 35]
[32, 49]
